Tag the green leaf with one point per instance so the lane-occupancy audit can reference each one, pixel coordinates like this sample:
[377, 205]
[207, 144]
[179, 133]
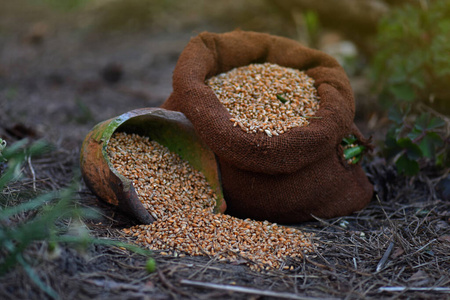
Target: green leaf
[354, 151]
[422, 121]
[39, 147]
[349, 140]
[2, 145]
[356, 160]
[403, 92]
[414, 134]
[413, 151]
[435, 123]
[429, 143]
[36, 279]
[282, 99]
[15, 149]
[26, 206]
[391, 146]
[395, 114]
[150, 265]
[407, 166]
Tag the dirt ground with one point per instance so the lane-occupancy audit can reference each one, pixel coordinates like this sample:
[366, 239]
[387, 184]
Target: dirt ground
[58, 79]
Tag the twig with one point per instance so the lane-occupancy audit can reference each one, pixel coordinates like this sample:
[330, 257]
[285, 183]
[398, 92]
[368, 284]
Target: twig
[319, 265]
[423, 247]
[241, 289]
[112, 285]
[385, 257]
[170, 286]
[32, 172]
[426, 107]
[385, 213]
[413, 289]
[329, 268]
[311, 117]
[203, 269]
[329, 224]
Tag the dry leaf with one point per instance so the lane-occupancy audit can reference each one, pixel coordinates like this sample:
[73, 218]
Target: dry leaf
[444, 239]
[398, 252]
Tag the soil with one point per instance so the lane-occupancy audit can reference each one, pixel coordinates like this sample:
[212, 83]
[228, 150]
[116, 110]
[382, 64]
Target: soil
[57, 80]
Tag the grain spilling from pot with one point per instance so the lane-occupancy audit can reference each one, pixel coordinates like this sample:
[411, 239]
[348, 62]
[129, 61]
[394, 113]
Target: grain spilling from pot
[266, 98]
[164, 182]
[182, 202]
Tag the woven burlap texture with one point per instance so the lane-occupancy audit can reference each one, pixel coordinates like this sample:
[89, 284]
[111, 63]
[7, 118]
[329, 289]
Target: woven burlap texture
[286, 178]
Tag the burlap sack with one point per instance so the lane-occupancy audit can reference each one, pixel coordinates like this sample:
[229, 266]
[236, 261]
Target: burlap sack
[285, 178]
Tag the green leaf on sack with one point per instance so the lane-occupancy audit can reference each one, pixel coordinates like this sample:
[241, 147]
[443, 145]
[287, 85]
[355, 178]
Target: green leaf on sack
[407, 166]
[353, 151]
[351, 139]
[282, 99]
[429, 143]
[403, 92]
[356, 160]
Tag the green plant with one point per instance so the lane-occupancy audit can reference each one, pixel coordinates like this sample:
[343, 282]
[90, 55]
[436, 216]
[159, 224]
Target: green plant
[410, 141]
[150, 265]
[412, 60]
[308, 27]
[353, 152]
[48, 209]
[312, 24]
[411, 68]
[15, 155]
[2, 147]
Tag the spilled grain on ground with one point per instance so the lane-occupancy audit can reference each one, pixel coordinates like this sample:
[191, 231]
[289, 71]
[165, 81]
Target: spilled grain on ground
[182, 202]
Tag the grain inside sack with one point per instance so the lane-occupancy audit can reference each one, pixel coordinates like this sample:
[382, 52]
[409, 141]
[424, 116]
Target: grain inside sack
[266, 98]
[181, 201]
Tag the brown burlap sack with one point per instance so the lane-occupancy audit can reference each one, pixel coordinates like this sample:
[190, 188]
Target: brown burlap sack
[285, 178]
